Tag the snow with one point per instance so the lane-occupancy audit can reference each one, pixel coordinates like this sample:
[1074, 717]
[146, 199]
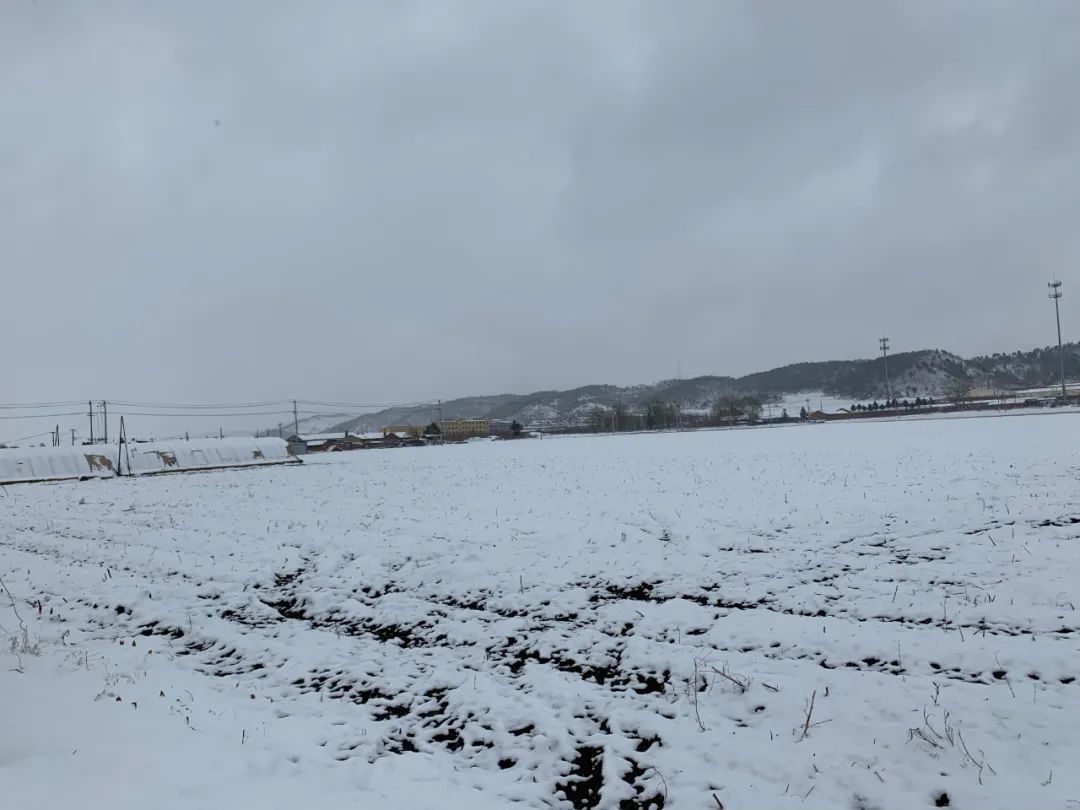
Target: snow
[490, 623]
[818, 400]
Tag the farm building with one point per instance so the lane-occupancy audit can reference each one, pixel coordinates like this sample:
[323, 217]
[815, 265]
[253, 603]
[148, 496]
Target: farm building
[333, 442]
[18, 465]
[456, 430]
[325, 442]
[393, 439]
[32, 464]
[405, 431]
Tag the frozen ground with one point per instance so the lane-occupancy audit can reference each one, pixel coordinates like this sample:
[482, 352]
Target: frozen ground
[613, 621]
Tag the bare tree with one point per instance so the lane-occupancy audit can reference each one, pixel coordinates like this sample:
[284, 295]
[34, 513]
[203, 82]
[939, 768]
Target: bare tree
[600, 419]
[959, 389]
[752, 409]
[730, 410]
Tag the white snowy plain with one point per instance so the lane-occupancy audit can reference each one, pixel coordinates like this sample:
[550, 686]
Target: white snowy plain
[611, 621]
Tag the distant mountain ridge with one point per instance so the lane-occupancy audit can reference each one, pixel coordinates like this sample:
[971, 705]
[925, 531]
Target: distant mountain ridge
[929, 372]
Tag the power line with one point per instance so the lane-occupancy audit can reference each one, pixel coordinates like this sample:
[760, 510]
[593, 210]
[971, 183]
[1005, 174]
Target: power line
[155, 413]
[200, 414]
[43, 415]
[267, 404]
[30, 406]
[190, 415]
[218, 406]
[185, 414]
[27, 438]
[358, 405]
[181, 406]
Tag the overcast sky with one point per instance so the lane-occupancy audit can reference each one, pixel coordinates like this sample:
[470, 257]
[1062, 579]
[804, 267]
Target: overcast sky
[392, 201]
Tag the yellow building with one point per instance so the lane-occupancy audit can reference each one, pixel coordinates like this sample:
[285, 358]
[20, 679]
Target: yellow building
[455, 430]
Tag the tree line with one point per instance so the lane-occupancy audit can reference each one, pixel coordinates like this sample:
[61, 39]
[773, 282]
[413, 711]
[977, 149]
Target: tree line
[658, 415]
[894, 405]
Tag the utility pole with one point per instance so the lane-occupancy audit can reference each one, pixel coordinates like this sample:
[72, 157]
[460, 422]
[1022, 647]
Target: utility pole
[220, 433]
[1055, 293]
[122, 449]
[295, 420]
[279, 430]
[91, 421]
[105, 416]
[73, 437]
[884, 343]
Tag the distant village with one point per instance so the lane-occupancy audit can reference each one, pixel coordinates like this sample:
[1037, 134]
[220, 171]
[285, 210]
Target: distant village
[439, 432]
[727, 412]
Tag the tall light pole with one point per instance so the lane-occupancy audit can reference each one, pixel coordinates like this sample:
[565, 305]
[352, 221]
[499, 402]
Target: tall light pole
[1055, 293]
[884, 343]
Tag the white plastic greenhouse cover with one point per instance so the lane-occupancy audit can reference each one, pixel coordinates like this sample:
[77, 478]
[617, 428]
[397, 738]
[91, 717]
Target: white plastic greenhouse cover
[156, 457]
[56, 463]
[19, 465]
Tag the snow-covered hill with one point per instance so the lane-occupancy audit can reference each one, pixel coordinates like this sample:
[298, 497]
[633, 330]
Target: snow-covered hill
[932, 372]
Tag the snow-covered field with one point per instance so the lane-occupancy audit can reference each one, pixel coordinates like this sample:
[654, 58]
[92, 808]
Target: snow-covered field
[813, 401]
[871, 615]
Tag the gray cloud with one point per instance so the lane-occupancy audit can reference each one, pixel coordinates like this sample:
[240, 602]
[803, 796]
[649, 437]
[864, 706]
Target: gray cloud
[387, 201]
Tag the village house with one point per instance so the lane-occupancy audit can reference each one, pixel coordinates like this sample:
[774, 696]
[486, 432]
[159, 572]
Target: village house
[324, 442]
